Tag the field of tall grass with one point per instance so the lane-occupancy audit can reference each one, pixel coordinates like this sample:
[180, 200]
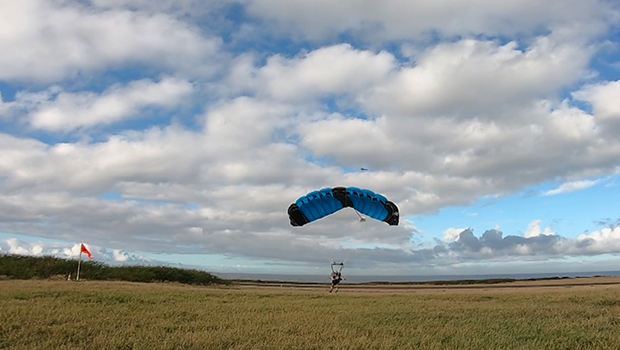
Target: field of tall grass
[121, 315]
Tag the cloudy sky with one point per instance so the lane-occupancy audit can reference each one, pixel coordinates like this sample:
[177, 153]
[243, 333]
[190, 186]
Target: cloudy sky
[179, 131]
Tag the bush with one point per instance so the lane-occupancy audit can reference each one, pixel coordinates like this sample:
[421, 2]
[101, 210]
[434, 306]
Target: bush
[28, 267]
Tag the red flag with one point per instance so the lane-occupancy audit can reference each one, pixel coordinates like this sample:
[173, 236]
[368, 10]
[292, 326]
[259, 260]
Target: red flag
[87, 252]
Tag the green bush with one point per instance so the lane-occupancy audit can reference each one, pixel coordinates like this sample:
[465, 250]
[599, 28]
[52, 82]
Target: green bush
[28, 267]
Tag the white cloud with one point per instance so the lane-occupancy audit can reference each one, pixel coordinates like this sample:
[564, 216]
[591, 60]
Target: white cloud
[478, 122]
[603, 97]
[472, 77]
[356, 138]
[534, 230]
[571, 187]
[471, 157]
[120, 256]
[46, 41]
[72, 251]
[153, 156]
[452, 234]
[436, 123]
[335, 69]
[69, 111]
[606, 240]
[15, 248]
[397, 20]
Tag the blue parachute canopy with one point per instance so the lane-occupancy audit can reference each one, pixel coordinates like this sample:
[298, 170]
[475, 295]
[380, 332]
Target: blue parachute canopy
[318, 204]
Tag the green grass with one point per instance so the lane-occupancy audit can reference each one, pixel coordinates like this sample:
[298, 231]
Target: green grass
[121, 315]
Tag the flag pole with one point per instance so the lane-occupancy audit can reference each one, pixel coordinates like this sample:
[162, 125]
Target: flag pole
[77, 278]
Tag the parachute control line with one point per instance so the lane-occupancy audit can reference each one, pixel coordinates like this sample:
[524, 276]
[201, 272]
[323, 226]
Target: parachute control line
[337, 267]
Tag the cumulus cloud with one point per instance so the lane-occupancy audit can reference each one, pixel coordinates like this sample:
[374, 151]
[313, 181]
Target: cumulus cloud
[473, 77]
[534, 230]
[332, 70]
[56, 110]
[397, 20]
[182, 7]
[46, 41]
[452, 234]
[493, 244]
[606, 240]
[497, 102]
[66, 251]
[603, 97]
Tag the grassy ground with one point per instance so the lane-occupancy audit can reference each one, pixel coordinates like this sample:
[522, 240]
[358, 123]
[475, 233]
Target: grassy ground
[117, 315]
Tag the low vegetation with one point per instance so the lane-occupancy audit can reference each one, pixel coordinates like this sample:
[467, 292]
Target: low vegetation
[44, 314]
[48, 267]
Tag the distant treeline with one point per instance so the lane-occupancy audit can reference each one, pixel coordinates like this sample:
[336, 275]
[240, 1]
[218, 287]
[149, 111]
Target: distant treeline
[29, 267]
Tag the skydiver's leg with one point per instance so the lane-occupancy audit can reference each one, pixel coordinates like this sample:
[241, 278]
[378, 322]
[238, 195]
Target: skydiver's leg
[334, 285]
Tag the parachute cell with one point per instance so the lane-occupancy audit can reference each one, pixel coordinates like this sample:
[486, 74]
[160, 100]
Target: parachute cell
[318, 204]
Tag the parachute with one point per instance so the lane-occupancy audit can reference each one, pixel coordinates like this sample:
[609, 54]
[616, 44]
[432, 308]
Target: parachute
[318, 204]
[337, 267]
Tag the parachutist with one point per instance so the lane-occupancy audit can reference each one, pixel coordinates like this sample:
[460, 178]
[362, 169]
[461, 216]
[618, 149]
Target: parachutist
[336, 276]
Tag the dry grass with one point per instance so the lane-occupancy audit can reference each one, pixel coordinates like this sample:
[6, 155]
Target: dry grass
[116, 315]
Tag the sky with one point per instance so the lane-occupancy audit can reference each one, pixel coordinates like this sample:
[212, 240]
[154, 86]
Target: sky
[179, 131]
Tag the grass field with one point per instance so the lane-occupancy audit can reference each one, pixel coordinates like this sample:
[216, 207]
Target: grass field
[118, 315]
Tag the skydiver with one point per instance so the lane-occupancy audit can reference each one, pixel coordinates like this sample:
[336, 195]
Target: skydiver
[336, 277]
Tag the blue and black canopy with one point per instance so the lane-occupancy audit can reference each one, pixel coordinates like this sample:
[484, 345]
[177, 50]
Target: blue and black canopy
[318, 204]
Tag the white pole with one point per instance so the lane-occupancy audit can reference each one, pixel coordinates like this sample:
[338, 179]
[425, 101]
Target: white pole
[77, 278]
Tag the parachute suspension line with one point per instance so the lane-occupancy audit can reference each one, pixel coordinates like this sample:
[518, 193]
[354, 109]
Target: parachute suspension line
[362, 219]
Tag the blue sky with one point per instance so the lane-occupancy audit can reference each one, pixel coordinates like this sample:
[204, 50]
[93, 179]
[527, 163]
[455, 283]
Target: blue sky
[179, 132]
